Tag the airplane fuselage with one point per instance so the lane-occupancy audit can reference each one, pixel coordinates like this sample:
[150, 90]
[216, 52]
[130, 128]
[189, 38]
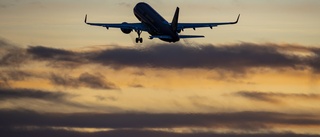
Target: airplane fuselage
[155, 23]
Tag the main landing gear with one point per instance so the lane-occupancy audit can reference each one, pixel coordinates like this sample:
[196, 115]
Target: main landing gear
[139, 39]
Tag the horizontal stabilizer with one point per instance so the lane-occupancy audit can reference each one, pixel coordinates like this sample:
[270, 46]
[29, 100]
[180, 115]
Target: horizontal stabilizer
[160, 37]
[190, 36]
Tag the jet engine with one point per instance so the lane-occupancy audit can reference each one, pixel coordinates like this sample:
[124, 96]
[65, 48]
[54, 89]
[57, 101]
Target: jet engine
[126, 31]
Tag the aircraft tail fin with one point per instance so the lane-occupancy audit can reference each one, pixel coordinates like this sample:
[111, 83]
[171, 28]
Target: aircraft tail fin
[174, 23]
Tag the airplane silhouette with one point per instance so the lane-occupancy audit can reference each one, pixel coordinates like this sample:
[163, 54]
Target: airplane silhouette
[153, 23]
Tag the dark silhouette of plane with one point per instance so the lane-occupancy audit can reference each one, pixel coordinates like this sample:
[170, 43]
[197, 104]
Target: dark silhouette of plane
[157, 26]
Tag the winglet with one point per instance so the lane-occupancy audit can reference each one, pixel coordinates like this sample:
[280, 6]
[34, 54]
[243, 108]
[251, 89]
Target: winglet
[85, 19]
[237, 19]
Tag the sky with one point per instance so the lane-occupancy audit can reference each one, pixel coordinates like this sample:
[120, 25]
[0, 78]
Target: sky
[61, 77]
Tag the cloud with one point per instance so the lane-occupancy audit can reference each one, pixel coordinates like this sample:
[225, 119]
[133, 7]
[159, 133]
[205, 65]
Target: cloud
[234, 120]
[13, 57]
[232, 57]
[238, 57]
[41, 52]
[29, 123]
[49, 132]
[275, 97]
[30, 93]
[6, 76]
[65, 80]
[55, 97]
[96, 81]
[15, 75]
[11, 54]
[57, 57]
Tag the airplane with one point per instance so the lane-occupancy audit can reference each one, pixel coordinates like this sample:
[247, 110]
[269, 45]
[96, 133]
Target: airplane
[153, 23]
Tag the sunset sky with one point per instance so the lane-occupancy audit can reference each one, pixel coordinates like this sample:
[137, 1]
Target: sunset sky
[61, 77]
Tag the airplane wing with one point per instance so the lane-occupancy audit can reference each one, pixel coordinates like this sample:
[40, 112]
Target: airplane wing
[124, 25]
[182, 26]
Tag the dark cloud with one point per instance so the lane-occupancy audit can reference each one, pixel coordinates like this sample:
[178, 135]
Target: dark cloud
[230, 57]
[55, 97]
[49, 132]
[16, 75]
[6, 93]
[64, 80]
[11, 54]
[41, 52]
[13, 58]
[274, 97]
[96, 81]
[6, 76]
[235, 120]
[60, 58]
[233, 57]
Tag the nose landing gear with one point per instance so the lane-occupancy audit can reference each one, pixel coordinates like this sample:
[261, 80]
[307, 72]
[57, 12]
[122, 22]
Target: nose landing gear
[139, 39]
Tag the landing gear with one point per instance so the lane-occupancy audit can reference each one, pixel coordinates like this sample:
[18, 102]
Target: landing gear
[139, 39]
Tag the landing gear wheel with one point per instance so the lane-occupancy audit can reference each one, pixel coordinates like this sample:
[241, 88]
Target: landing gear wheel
[139, 40]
